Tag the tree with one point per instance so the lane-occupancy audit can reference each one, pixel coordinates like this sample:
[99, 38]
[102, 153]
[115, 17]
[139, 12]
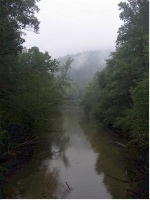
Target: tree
[137, 117]
[16, 16]
[135, 31]
[38, 89]
[31, 109]
[122, 96]
[124, 78]
[36, 60]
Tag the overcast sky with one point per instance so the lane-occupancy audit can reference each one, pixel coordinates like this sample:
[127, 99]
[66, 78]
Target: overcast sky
[72, 26]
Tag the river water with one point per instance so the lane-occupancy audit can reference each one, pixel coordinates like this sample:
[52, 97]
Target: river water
[84, 164]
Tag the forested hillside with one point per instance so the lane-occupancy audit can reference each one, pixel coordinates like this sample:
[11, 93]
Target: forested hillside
[83, 68]
[118, 96]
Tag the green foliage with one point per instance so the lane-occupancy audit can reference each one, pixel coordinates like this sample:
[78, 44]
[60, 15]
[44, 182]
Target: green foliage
[73, 92]
[138, 116]
[63, 76]
[91, 96]
[16, 16]
[119, 97]
[36, 60]
[38, 91]
[32, 83]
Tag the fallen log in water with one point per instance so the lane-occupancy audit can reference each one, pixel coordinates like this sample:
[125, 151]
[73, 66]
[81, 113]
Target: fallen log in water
[124, 181]
[120, 144]
[121, 180]
[66, 192]
[55, 152]
[68, 186]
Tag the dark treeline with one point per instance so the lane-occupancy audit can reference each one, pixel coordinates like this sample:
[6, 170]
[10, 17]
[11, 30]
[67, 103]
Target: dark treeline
[31, 83]
[118, 96]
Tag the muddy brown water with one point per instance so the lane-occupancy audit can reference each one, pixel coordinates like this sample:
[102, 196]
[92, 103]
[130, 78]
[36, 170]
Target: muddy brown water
[83, 162]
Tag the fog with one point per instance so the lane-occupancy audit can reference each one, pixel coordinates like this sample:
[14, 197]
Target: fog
[71, 26]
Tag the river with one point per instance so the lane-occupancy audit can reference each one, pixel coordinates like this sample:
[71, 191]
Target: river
[84, 164]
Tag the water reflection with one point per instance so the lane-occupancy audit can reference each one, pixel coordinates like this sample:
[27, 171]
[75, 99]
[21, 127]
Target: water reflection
[33, 183]
[79, 158]
[80, 174]
[37, 180]
[109, 159]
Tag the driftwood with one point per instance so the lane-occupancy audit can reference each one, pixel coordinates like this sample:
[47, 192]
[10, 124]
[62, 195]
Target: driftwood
[55, 152]
[117, 179]
[120, 144]
[146, 168]
[141, 170]
[66, 192]
[124, 181]
[68, 186]
[18, 145]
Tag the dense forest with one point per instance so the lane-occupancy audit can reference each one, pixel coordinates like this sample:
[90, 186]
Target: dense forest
[33, 86]
[118, 96]
[31, 83]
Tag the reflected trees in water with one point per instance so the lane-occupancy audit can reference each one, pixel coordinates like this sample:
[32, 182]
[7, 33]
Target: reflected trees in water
[109, 159]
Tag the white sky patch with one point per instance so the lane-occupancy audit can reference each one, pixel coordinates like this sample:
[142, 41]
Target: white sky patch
[71, 26]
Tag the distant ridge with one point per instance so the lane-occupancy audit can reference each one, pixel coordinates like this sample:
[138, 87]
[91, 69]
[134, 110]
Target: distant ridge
[82, 58]
[85, 65]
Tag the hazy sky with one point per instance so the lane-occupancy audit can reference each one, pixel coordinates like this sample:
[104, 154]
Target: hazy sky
[71, 26]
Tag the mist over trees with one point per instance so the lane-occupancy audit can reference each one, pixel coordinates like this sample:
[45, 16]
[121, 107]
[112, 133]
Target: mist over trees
[83, 68]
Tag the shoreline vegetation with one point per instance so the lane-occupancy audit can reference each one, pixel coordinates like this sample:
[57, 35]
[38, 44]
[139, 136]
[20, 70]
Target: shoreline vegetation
[34, 86]
[118, 96]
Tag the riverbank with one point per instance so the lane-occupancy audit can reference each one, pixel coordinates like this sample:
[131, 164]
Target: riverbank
[80, 154]
[84, 156]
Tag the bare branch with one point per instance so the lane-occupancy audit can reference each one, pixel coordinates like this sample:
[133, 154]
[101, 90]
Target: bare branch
[19, 145]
